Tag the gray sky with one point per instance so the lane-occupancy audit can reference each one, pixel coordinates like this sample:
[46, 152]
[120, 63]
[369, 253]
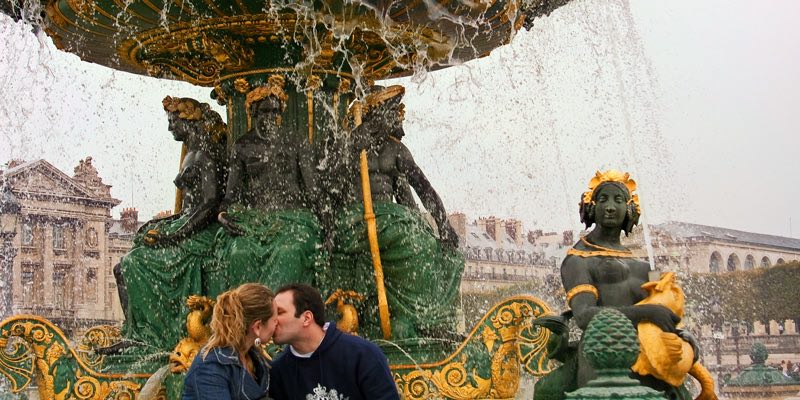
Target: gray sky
[698, 99]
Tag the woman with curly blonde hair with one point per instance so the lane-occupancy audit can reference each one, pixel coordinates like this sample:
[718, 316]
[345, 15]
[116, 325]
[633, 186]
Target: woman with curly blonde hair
[231, 365]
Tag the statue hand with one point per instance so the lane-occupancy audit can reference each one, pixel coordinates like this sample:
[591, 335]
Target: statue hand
[229, 224]
[151, 238]
[689, 338]
[661, 316]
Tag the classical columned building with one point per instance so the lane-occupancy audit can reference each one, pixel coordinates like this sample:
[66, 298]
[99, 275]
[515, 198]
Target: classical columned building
[60, 244]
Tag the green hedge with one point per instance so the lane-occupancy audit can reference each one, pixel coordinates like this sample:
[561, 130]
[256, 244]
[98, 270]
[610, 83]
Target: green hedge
[754, 295]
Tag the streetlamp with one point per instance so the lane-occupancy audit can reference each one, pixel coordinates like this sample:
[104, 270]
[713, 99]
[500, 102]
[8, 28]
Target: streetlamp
[735, 333]
[716, 313]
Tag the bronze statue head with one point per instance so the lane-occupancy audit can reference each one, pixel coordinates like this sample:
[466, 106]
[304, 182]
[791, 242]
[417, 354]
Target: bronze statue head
[188, 117]
[267, 101]
[608, 188]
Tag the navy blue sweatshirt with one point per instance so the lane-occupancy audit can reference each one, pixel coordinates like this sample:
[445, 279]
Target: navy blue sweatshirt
[353, 367]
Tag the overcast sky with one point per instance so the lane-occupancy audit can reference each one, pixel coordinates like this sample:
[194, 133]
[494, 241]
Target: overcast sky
[697, 99]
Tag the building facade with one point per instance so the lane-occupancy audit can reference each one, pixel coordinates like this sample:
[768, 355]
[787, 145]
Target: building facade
[691, 248]
[500, 253]
[60, 244]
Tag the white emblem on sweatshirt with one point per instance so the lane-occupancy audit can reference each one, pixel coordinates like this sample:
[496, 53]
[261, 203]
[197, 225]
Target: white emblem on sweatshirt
[322, 393]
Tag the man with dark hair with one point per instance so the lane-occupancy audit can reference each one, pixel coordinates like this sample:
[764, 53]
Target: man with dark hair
[320, 361]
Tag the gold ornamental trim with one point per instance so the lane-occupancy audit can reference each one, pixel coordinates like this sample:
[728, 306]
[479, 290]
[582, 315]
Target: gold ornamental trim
[286, 70]
[474, 333]
[313, 83]
[500, 336]
[38, 332]
[598, 251]
[583, 288]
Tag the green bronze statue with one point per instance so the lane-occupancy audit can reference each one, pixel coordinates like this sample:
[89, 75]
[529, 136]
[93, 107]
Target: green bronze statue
[173, 257]
[597, 273]
[270, 233]
[421, 273]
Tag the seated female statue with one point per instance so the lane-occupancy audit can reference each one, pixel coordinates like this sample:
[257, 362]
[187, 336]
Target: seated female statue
[173, 257]
[270, 233]
[422, 274]
[599, 272]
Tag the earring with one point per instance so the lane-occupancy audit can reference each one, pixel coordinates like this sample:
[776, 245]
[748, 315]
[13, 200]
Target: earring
[257, 342]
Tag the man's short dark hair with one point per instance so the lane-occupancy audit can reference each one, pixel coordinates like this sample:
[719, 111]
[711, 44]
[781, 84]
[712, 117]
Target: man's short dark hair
[306, 298]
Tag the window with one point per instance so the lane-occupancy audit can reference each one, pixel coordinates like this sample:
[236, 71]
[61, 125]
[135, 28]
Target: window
[765, 262]
[27, 234]
[716, 260]
[733, 262]
[91, 285]
[63, 286]
[781, 261]
[749, 262]
[32, 284]
[58, 237]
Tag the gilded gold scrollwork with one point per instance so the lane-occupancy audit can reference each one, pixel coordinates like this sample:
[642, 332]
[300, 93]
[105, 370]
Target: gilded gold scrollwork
[39, 350]
[492, 348]
[95, 337]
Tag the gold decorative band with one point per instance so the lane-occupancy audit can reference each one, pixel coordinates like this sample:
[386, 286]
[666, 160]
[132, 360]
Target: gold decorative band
[315, 71]
[599, 253]
[584, 288]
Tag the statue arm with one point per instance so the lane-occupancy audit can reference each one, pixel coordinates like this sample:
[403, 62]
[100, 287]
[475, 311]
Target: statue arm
[234, 184]
[201, 214]
[233, 193]
[402, 192]
[430, 199]
[578, 284]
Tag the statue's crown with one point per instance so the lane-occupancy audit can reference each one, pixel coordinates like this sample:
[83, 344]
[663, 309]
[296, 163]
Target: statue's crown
[612, 175]
[274, 87]
[186, 108]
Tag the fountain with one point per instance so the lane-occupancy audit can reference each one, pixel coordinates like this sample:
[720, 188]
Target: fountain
[303, 72]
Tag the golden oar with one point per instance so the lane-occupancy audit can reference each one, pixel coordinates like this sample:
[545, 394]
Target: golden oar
[372, 234]
[179, 191]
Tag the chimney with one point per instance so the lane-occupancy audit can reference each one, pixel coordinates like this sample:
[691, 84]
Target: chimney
[514, 230]
[533, 235]
[459, 223]
[130, 219]
[15, 163]
[491, 226]
[163, 214]
[569, 238]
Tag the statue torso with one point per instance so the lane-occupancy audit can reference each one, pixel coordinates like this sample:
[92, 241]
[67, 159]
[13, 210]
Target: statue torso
[271, 174]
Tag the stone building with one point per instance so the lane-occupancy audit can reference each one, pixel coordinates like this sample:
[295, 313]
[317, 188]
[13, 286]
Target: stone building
[60, 244]
[500, 253]
[681, 246]
[692, 248]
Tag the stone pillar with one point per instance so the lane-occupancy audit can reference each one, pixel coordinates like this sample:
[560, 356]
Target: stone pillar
[7, 255]
[47, 266]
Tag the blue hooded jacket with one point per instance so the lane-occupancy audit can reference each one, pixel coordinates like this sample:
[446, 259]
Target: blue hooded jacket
[343, 367]
[222, 376]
